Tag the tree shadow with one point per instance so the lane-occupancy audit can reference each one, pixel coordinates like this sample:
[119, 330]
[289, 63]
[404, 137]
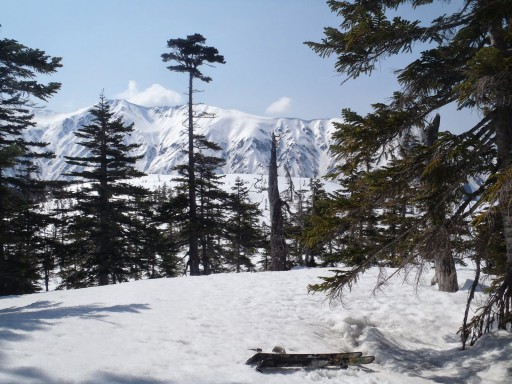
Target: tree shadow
[442, 366]
[125, 379]
[38, 315]
[17, 322]
[30, 374]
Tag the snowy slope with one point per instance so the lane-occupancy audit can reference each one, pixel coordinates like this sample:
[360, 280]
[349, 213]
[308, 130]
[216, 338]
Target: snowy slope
[199, 329]
[244, 138]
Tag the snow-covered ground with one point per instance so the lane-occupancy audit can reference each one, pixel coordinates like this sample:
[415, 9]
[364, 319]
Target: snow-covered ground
[199, 330]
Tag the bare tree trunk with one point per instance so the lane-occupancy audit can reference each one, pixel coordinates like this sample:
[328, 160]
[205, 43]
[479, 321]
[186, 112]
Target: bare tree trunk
[277, 242]
[444, 263]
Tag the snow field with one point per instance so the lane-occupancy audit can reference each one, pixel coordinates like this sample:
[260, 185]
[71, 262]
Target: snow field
[199, 330]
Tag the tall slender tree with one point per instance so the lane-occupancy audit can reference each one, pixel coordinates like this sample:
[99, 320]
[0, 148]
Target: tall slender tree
[20, 192]
[189, 55]
[105, 216]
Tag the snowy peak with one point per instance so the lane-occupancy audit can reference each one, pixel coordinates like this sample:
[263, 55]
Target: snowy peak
[244, 138]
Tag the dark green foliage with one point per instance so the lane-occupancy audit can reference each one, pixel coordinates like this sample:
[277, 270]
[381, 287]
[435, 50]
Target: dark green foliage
[109, 240]
[320, 245]
[406, 193]
[151, 246]
[24, 252]
[303, 216]
[211, 208]
[243, 230]
[191, 53]
[173, 215]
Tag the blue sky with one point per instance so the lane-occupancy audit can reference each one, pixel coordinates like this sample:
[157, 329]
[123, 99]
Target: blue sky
[116, 45]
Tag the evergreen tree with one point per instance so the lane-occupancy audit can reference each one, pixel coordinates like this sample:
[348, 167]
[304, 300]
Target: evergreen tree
[466, 60]
[189, 54]
[294, 217]
[21, 224]
[170, 214]
[314, 252]
[173, 216]
[244, 232]
[211, 205]
[103, 219]
[155, 255]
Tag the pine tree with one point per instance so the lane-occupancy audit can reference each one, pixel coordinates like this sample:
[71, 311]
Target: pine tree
[467, 60]
[103, 219]
[211, 208]
[211, 204]
[244, 232]
[21, 224]
[189, 54]
[315, 252]
[173, 216]
[155, 255]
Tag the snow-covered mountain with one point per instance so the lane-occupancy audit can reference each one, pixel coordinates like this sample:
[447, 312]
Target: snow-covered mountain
[244, 139]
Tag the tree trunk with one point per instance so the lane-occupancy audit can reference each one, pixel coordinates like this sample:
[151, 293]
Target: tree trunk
[444, 263]
[2, 226]
[104, 249]
[193, 252]
[504, 146]
[105, 256]
[277, 242]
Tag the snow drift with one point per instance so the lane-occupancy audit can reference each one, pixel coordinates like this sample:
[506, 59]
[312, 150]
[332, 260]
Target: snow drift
[199, 330]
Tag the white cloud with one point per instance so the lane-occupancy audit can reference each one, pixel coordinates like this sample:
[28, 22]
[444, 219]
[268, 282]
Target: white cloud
[153, 96]
[279, 107]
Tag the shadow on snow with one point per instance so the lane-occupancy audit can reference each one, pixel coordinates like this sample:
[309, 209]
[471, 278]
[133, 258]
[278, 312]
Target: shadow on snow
[37, 375]
[16, 322]
[442, 366]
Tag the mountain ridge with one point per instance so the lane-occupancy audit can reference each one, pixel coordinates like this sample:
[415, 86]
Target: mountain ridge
[244, 138]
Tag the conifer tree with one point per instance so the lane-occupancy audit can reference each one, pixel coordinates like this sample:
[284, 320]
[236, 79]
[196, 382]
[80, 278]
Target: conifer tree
[314, 252]
[189, 55]
[294, 217]
[155, 255]
[466, 60]
[21, 224]
[101, 248]
[243, 229]
[173, 216]
[211, 203]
